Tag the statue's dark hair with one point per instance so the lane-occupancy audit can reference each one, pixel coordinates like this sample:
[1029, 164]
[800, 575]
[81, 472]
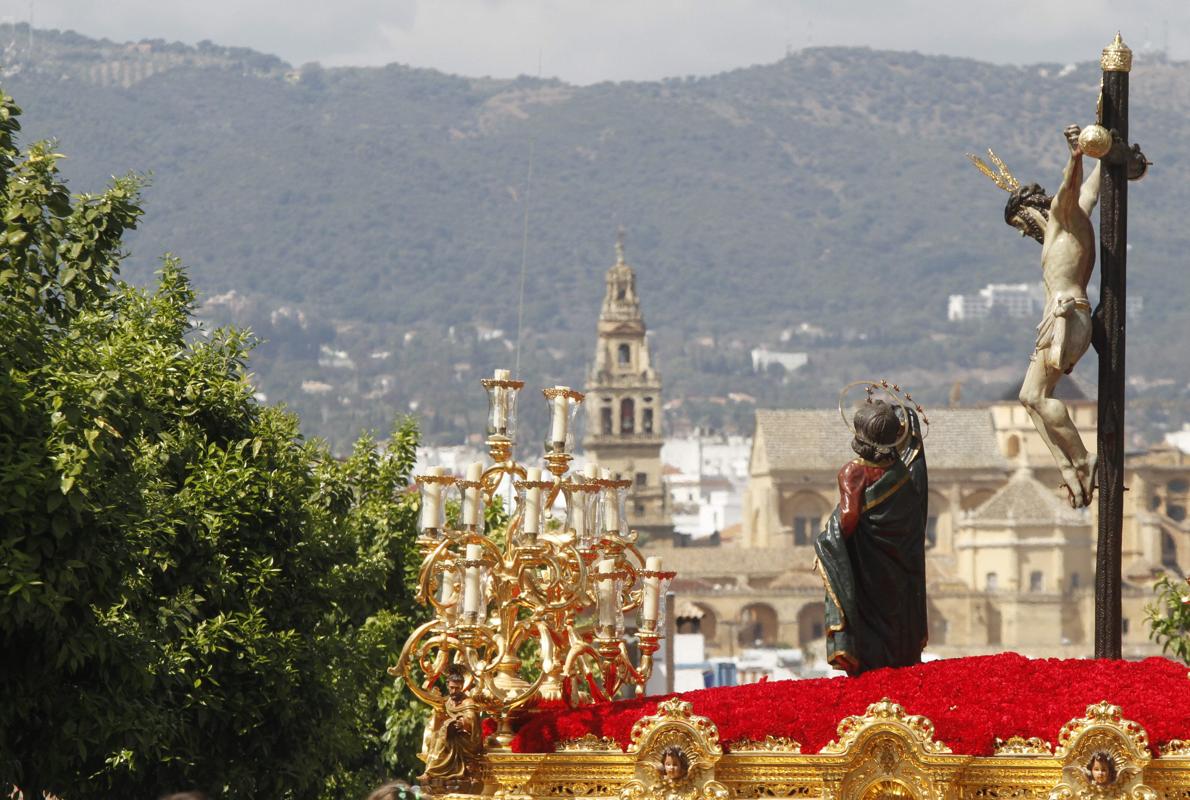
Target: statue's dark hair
[1031, 196]
[877, 427]
[457, 670]
[677, 752]
[1103, 757]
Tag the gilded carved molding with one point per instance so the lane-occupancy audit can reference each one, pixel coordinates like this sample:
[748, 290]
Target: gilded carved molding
[676, 752]
[886, 714]
[1104, 717]
[884, 754]
[675, 713]
[1104, 756]
[770, 744]
[588, 743]
[1020, 746]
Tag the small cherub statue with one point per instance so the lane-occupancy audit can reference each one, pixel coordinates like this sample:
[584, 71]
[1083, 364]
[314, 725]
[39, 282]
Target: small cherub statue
[674, 766]
[1101, 769]
[453, 740]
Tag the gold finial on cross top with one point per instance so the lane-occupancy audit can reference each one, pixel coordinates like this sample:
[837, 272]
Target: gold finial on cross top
[1117, 56]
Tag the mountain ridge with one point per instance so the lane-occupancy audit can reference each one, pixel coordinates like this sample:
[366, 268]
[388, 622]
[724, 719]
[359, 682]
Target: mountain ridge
[830, 187]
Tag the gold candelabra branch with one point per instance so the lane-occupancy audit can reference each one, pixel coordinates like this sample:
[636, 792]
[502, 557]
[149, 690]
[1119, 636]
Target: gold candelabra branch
[562, 573]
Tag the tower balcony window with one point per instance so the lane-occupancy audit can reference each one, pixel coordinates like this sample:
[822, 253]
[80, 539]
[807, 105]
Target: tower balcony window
[627, 416]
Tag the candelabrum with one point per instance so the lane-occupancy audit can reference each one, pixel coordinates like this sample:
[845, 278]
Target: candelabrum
[533, 611]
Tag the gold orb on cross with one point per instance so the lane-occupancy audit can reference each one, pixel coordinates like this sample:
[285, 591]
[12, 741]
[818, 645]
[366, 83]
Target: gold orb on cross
[1095, 141]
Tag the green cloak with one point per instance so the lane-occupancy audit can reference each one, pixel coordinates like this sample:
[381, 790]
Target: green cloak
[876, 579]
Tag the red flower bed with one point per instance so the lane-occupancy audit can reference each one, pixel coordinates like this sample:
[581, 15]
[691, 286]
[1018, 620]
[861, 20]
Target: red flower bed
[971, 702]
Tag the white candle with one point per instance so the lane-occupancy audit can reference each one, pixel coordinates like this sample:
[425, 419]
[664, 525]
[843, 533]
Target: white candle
[532, 522]
[607, 589]
[471, 494]
[471, 588]
[611, 508]
[449, 595]
[652, 588]
[578, 512]
[431, 509]
[561, 416]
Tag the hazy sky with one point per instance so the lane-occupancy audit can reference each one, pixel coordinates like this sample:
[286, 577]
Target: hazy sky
[586, 41]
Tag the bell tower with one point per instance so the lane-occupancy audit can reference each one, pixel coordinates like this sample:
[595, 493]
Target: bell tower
[623, 404]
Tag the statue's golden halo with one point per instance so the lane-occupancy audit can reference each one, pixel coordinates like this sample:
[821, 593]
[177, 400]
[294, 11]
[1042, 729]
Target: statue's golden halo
[899, 396]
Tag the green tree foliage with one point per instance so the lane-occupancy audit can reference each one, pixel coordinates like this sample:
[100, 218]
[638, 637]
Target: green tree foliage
[191, 595]
[1169, 617]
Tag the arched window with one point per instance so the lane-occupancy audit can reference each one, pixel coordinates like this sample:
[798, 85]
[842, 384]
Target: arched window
[758, 626]
[1169, 550]
[646, 420]
[993, 582]
[802, 514]
[811, 623]
[1036, 581]
[624, 354]
[627, 416]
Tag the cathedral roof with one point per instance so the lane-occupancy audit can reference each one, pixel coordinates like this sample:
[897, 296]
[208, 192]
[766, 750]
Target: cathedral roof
[1024, 500]
[815, 439]
[700, 563]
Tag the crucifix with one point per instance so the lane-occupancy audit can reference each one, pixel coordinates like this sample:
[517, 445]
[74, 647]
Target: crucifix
[1061, 223]
[1119, 165]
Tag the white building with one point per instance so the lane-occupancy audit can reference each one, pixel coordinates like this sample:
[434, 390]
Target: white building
[705, 475]
[1018, 300]
[762, 358]
[709, 454]
[455, 458]
[1009, 299]
[1179, 439]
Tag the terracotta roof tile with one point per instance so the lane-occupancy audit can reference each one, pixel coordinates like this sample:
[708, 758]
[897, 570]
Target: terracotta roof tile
[1024, 500]
[815, 439]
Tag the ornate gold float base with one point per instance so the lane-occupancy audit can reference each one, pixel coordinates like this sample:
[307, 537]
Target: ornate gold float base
[883, 754]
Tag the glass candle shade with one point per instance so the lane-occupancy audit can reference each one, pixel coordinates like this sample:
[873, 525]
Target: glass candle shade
[472, 497]
[563, 405]
[434, 486]
[474, 586]
[532, 496]
[606, 595]
[654, 587]
[613, 521]
[450, 594]
[502, 395]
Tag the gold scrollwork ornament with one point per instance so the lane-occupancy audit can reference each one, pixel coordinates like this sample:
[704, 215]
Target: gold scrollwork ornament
[886, 713]
[770, 744]
[1020, 746]
[1104, 756]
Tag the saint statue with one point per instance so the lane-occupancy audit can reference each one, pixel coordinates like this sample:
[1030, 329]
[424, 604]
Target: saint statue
[453, 739]
[1062, 225]
[872, 552]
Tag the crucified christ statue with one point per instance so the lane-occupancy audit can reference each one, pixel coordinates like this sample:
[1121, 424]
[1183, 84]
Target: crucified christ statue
[1062, 224]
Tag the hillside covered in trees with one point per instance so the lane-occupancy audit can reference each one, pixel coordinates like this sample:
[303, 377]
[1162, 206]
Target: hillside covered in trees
[369, 220]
